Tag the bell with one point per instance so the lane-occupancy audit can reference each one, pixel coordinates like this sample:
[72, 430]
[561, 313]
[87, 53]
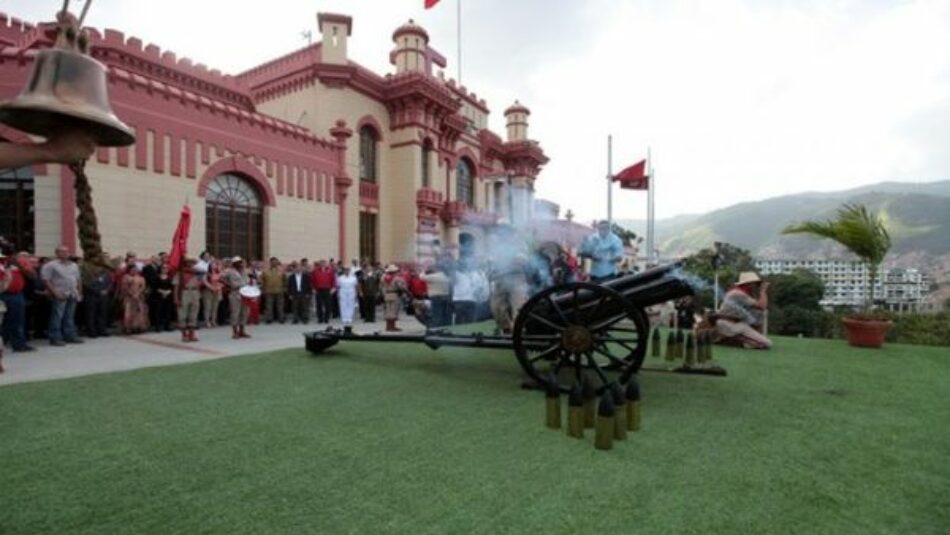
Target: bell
[67, 90]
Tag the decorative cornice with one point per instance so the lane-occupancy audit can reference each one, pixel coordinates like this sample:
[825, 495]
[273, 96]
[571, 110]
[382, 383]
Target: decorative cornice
[280, 67]
[118, 75]
[524, 158]
[114, 49]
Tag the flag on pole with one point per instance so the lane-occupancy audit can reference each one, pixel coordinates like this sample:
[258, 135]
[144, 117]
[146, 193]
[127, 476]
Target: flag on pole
[634, 177]
[180, 240]
[431, 3]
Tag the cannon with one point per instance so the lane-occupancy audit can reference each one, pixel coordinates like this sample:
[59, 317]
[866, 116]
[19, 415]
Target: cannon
[565, 332]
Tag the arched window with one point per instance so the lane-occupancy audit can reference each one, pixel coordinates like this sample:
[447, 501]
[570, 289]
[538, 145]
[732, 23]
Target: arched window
[464, 187]
[234, 218]
[368, 163]
[426, 156]
[17, 208]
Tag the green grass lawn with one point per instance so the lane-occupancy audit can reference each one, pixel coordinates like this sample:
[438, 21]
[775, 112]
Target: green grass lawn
[812, 437]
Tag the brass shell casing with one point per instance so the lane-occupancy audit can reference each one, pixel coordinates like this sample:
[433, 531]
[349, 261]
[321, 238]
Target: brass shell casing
[552, 412]
[633, 415]
[620, 423]
[690, 351]
[604, 433]
[575, 422]
[590, 413]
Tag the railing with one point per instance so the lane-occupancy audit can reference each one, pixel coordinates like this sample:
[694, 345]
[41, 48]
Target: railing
[429, 198]
[369, 194]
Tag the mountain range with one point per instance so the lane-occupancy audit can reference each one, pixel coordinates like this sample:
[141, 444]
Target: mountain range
[917, 215]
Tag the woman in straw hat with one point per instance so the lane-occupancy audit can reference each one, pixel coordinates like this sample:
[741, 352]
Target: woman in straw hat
[739, 319]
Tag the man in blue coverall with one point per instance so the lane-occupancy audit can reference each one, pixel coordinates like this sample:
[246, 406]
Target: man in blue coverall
[605, 250]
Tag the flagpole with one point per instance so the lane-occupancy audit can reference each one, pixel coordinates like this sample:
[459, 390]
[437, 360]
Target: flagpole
[651, 183]
[458, 19]
[610, 201]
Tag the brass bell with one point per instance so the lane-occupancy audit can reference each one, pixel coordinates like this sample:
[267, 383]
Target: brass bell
[67, 90]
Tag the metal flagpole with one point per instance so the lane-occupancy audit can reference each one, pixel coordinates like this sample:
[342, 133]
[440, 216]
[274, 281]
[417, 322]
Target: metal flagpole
[458, 18]
[651, 183]
[610, 180]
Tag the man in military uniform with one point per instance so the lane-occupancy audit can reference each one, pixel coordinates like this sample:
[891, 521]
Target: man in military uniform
[274, 281]
[234, 279]
[188, 299]
[508, 276]
[368, 289]
[509, 291]
[393, 287]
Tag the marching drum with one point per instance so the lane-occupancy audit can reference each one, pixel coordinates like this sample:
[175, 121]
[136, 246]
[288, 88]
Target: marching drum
[249, 294]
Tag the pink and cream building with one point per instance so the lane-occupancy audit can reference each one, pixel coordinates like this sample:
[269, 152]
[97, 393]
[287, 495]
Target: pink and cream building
[310, 154]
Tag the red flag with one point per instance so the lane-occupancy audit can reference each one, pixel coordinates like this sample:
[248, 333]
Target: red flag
[180, 240]
[431, 3]
[634, 177]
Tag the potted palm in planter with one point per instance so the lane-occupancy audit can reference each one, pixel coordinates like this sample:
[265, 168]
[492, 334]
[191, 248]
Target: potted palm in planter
[864, 235]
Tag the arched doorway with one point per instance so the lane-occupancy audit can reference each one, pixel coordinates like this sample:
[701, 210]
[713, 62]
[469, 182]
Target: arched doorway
[234, 218]
[17, 208]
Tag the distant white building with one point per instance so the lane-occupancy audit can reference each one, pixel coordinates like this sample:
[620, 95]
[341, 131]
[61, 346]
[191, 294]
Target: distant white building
[846, 282]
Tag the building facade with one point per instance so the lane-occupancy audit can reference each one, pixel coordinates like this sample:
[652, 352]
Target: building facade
[309, 154]
[846, 282]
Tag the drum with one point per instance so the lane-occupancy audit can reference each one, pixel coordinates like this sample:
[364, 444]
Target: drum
[249, 294]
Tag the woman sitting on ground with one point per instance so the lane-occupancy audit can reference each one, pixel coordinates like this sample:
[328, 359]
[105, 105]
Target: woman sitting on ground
[739, 319]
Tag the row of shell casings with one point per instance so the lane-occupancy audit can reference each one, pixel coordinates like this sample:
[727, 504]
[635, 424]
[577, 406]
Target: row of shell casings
[612, 416]
[691, 349]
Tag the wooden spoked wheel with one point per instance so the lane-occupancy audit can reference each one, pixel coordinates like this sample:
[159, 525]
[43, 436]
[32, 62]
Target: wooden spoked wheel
[580, 330]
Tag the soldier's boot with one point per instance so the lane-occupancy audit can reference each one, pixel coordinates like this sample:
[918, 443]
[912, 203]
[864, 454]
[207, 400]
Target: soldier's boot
[234, 332]
[185, 337]
[243, 333]
[191, 335]
[391, 326]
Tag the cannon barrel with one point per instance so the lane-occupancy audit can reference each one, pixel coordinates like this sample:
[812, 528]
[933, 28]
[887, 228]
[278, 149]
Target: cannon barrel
[650, 287]
[653, 286]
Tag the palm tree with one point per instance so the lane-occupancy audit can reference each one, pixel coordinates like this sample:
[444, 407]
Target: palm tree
[859, 231]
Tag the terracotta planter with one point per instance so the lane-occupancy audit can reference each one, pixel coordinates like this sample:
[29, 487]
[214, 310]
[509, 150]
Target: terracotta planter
[866, 333]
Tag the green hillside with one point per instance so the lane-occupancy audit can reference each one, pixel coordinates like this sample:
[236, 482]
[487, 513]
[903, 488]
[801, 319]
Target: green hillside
[918, 216]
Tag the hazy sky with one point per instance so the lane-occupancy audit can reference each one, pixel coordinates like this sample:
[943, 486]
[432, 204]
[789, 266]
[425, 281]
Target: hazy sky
[739, 100]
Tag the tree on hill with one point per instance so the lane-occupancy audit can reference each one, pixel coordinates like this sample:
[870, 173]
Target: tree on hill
[800, 288]
[794, 307]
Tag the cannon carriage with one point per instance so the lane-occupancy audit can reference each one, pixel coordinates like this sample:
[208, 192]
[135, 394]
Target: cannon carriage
[565, 334]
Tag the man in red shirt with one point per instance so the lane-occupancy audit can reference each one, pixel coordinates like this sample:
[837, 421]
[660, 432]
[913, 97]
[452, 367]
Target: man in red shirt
[323, 280]
[419, 291]
[14, 321]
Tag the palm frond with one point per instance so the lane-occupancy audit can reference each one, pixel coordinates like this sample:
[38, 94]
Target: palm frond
[855, 228]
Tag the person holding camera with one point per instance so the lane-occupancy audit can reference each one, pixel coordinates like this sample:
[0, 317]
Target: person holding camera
[739, 320]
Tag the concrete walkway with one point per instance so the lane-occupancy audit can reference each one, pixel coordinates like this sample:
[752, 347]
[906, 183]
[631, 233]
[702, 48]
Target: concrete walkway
[103, 355]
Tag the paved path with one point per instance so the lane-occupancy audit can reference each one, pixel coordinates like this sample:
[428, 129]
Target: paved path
[103, 355]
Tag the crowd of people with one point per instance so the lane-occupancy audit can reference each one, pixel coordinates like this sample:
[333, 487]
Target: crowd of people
[61, 297]
[64, 299]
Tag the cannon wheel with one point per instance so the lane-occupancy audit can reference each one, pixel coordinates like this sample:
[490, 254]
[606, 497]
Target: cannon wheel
[603, 336]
